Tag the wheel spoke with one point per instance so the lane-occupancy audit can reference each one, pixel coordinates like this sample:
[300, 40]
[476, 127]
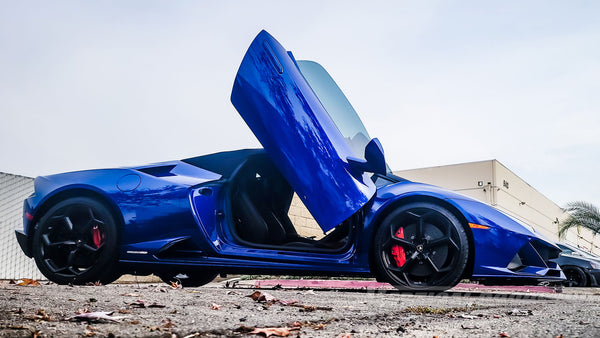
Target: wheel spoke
[68, 223]
[437, 242]
[403, 242]
[453, 244]
[91, 248]
[435, 268]
[48, 243]
[71, 257]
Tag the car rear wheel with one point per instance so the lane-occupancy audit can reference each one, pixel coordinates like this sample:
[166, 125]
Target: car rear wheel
[575, 276]
[188, 279]
[75, 242]
[421, 246]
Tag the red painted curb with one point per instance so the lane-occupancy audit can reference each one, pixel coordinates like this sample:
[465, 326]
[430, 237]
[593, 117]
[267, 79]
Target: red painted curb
[372, 285]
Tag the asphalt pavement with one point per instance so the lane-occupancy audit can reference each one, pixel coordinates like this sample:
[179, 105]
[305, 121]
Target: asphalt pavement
[244, 309]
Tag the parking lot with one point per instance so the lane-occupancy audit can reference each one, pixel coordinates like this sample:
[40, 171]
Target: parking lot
[153, 309]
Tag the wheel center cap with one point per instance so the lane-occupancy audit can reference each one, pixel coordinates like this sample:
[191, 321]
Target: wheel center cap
[420, 248]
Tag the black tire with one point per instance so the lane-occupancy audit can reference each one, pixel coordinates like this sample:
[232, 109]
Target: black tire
[431, 256]
[188, 279]
[575, 276]
[76, 242]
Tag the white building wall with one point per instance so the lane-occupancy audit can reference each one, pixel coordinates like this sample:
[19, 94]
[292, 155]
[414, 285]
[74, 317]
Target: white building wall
[13, 262]
[492, 183]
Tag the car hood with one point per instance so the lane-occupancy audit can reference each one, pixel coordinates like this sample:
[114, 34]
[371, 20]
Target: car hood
[296, 123]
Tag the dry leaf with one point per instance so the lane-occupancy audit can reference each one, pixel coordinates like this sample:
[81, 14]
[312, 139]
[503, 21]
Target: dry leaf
[168, 323]
[96, 316]
[156, 305]
[40, 315]
[134, 322]
[28, 281]
[215, 306]
[288, 301]
[504, 334]
[262, 297]
[132, 294]
[272, 331]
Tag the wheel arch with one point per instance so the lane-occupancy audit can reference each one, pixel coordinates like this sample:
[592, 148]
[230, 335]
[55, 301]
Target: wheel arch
[431, 199]
[585, 272]
[70, 193]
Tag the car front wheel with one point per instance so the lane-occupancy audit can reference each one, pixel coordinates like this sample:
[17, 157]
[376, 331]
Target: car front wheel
[575, 276]
[421, 246]
[75, 242]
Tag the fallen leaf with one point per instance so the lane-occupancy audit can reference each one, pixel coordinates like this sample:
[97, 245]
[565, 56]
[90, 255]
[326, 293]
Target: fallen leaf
[467, 316]
[288, 301]
[215, 306]
[156, 305]
[138, 303]
[504, 334]
[192, 335]
[28, 281]
[40, 315]
[124, 311]
[272, 331]
[496, 316]
[262, 297]
[167, 323]
[89, 331]
[517, 312]
[244, 329]
[174, 311]
[84, 310]
[176, 285]
[134, 322]
[96, 316]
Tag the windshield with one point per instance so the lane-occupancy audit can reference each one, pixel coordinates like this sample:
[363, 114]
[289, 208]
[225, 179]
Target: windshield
[569, 250]
[337, 106]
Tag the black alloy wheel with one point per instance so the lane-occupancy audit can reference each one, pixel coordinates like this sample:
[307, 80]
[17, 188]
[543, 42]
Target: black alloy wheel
[188, 279]
[75, 242]
[421, 246]
[575, 276]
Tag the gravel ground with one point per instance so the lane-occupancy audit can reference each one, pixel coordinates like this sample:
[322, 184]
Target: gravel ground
[158, 310]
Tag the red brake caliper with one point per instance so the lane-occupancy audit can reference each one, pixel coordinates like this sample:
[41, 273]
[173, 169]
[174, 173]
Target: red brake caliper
[398, 251]
[97, 236]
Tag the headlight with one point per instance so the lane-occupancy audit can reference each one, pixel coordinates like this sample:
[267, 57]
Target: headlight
[595, 265]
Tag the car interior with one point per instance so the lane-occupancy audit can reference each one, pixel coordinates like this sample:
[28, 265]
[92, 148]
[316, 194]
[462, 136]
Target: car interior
[260, 199]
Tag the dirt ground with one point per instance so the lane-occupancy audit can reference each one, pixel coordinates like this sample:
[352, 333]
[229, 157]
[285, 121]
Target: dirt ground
[159, 310]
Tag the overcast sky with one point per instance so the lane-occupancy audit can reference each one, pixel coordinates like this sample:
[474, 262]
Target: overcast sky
[106, 84]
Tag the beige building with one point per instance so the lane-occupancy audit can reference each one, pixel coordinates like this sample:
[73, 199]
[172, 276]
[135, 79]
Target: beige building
[493, 183]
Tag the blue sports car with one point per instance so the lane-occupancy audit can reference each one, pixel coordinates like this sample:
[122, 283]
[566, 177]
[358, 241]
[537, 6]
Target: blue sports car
[227, 212]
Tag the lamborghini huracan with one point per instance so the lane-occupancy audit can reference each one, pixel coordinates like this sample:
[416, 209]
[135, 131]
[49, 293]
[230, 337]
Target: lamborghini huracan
[228, 212]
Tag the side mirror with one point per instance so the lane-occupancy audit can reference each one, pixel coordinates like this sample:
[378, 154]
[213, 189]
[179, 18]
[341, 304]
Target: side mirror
[374, 161]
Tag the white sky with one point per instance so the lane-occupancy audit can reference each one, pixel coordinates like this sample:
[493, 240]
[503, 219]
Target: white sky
[106, 84]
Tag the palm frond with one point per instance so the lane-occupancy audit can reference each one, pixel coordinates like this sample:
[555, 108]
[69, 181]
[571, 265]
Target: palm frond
[581, 214]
